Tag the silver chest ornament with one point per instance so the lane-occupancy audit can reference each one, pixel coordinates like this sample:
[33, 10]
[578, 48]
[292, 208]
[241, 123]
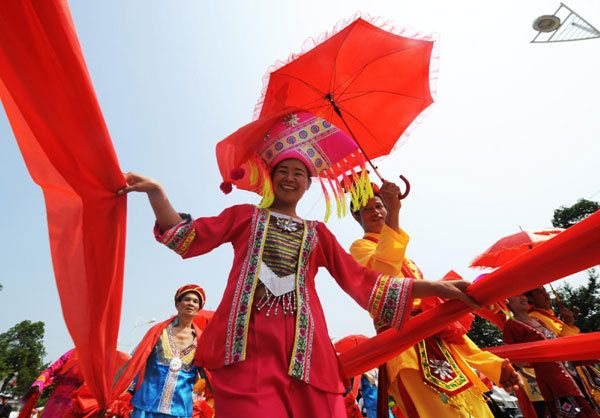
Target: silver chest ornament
[175, 364]
[287, 224]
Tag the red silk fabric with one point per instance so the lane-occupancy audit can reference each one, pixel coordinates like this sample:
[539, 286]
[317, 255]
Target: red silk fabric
[578, 347]
[576, 249]
[50, 102]
[27, 409]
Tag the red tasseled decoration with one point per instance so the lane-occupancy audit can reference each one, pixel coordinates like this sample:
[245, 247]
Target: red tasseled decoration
[237, 173]
[226, 187]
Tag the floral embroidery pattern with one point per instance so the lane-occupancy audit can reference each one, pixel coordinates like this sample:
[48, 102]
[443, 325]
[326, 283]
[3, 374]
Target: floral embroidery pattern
[439, 368]
[237, 327]
[168, 390]
[388, 302]
[179, 237]
[305, 326]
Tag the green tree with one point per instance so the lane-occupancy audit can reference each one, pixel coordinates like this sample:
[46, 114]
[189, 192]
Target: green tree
[484, 333]
[21, 354]
[586, 298]
[564, 216]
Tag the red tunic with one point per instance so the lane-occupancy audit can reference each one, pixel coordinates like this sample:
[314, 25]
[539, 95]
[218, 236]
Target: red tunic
[554, 379]
[313, 358]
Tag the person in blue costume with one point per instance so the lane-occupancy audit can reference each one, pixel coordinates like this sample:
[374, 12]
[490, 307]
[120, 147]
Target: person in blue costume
[165, 388]
[368, 388]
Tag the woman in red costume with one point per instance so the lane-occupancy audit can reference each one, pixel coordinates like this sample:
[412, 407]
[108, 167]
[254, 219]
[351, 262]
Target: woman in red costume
[66, 376]
[563, 391]
[267, 345]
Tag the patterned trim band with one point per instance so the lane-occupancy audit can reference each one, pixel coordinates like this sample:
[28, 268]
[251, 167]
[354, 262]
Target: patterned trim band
[388, 302]
[179, 237]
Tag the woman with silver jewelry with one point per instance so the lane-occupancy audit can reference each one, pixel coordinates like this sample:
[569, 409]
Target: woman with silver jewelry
[267, 345]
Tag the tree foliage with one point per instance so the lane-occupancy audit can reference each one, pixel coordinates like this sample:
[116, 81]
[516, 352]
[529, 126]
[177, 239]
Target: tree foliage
[21, 354]
[587, 300]
[484, 333]
[564, 216]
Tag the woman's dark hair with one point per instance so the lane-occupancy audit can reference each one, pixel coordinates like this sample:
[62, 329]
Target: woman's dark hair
[292, 158]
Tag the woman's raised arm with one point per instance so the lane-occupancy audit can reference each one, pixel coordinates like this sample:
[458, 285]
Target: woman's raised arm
[166, 216]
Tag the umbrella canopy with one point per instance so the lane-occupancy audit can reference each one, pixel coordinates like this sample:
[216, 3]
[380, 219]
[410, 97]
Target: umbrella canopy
[349, 342]
[367, 81]
[507, 248]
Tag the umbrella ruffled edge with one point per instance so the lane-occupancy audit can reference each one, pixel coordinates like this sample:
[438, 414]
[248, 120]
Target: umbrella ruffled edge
[381, 23]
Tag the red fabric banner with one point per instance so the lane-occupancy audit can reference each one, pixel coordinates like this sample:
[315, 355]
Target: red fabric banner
[575, 249]
[580, 347]
[50, 102]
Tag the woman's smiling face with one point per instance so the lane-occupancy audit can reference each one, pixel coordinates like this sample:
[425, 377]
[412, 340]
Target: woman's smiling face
[290, 180]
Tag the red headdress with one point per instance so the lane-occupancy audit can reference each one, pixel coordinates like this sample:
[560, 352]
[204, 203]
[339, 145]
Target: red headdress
[191, 288]
[247, 157]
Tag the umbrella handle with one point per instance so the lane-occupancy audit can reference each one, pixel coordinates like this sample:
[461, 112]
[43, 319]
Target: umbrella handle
[407, 191]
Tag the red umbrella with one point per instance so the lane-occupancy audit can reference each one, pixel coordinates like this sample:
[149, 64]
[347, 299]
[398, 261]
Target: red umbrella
[367, 81]
[348, 342]
[513, 246]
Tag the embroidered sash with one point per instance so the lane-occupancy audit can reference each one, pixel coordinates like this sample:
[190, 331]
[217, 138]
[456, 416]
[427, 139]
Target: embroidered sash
[439, 369]
[237, 327]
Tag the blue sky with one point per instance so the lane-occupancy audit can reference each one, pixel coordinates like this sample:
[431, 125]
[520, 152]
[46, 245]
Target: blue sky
[512, 136]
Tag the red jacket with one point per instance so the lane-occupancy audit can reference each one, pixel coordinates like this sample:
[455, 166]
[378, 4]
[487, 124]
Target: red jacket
[244, 226]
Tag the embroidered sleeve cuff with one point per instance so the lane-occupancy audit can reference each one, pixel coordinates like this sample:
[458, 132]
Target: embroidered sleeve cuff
[390, 301]
[179, 237]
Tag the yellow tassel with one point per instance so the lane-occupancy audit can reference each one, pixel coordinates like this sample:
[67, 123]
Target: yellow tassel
[336, 196]
[344, 202]
[327, 200]
[253, 171]
[370, 191]
[364, 194]
[355, 190]
[268, 196]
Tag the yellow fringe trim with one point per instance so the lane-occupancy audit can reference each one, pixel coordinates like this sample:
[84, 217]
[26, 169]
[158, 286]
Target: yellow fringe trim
[254, 172]
[327, 200]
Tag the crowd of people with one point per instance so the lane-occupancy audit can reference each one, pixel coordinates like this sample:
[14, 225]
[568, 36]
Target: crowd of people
[266, 352]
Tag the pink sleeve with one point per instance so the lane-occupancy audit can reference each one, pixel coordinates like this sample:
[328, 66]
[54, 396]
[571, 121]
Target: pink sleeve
[386, 298]
[46, 378]
[192, 237]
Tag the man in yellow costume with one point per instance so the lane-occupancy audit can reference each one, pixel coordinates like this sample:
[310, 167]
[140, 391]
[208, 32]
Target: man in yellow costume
[435, 377]
[540, 301]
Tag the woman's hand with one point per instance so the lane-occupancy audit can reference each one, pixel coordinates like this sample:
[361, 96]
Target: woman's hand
[138, 183]
[166, 216]
[446, 289]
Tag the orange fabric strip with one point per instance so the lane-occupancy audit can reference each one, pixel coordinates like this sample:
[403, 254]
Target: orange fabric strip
[575, 249]
[578, 347]
[51, 105]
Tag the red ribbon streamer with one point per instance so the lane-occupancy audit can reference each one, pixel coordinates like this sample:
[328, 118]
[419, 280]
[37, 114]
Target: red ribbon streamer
[575, 249]
[578, 347]
[51, 105]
